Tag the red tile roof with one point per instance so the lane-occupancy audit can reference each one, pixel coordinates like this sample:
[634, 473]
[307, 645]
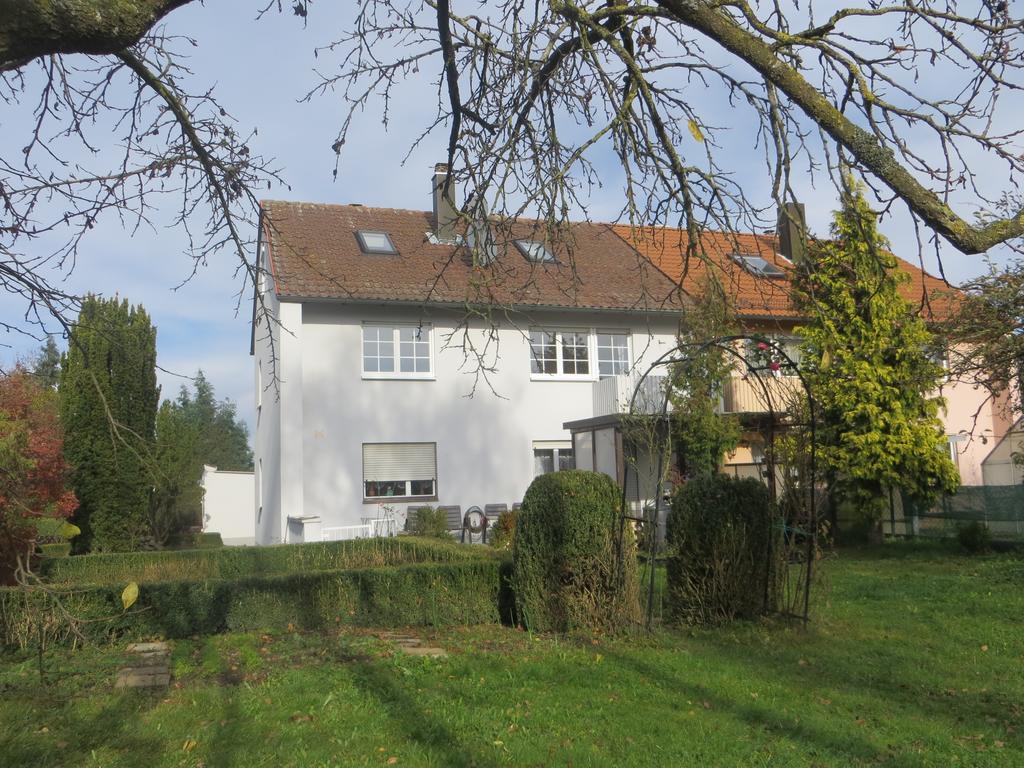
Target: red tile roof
[753, 296]
[315, 254]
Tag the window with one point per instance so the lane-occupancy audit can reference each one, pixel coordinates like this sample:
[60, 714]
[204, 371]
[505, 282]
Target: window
[552, 456]
[535, 252]
[612, 353]
[397, 351]
[757, 265]
[399, 470]
[560, 352]
[375, 242]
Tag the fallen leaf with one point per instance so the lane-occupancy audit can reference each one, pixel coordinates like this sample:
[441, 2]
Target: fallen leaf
[130, 595]
[984, 647]
[392, 760]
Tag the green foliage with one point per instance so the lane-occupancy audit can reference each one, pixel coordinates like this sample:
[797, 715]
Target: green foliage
[866, 356]
[194, 430]
[108, 401]
[424, 594]
[701, 436]
[574, 558]
[46, 366]
[502, 535]
[240, 562]
[975, 537]
[723, 561]
[208, 541]
[55, 549]
[429, 522]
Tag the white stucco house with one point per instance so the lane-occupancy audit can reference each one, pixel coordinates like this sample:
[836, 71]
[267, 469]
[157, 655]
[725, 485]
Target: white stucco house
[398, 363]
[392, 371]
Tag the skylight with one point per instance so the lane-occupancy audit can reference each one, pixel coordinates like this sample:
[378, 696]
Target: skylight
[375, 242]
[534, 251]
[756, 265]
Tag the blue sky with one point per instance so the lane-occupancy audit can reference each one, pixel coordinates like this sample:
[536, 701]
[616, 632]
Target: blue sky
[260, 70]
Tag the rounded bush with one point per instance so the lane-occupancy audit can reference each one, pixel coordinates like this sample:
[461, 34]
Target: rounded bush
[723, 562]
[573, 557]
[975, 537]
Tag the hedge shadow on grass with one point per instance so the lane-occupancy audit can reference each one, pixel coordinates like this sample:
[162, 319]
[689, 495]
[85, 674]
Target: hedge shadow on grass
[377, 682]
[848, 748]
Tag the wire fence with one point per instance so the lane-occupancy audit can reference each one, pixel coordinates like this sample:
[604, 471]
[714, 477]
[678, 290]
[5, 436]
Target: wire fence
[999, 507]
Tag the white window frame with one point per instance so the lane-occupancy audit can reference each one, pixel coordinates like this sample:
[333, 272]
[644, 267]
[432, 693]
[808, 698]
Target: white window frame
[556, 447]
[408, 496]
[597, 350]
[592, 361]
[395, 339]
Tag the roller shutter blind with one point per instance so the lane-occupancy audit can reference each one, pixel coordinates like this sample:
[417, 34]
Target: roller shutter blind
[399, 461]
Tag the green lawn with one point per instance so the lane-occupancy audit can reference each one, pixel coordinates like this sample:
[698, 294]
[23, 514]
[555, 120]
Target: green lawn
[915, 658]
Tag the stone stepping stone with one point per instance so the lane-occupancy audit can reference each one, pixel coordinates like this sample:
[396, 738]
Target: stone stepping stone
[150, 667]
[425, 650]
[413, 646]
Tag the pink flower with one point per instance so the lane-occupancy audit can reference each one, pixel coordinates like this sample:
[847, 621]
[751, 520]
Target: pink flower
[774, 365]
[762, 346]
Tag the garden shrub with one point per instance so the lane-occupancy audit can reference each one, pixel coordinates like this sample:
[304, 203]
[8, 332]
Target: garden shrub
[722, 561]
[574, 559]
[237, 562]
[503, 533]
[430, 523]
[208, 541]
[55, 549]
[975, 537]
[724, 557]
[428, 594]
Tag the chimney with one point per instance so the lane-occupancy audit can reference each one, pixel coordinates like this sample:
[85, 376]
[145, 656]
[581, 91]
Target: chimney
[792, 231]
[444, 204]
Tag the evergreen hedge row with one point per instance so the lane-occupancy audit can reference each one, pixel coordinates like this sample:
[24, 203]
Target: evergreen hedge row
[241, 562]
[428, 594]
[574, 558]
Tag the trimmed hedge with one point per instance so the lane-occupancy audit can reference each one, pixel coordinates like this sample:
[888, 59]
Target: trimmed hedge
[436, 594]
[567, 572]
[241, 562]
[723, 561]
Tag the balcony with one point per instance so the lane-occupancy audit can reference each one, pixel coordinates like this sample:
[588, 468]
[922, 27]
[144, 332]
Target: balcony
[612, 395]
[750, 395]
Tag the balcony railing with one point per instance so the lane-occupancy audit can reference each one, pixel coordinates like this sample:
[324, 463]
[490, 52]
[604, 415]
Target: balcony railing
[613, 395]
[750, 395]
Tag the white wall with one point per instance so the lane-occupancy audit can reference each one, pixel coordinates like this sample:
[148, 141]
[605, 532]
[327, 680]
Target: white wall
[228, 505]
[484, 424]
[266, 381]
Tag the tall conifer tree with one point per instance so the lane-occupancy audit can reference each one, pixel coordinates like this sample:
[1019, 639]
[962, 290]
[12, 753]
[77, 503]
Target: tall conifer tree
[870, 362]
[109, 398]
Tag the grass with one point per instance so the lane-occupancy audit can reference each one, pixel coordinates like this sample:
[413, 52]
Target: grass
[914, 659]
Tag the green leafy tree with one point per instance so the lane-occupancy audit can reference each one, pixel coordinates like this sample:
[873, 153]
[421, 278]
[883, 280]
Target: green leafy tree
[193, 430]
[866, 356]
[702, 435]
[46, 366]
[108, 402]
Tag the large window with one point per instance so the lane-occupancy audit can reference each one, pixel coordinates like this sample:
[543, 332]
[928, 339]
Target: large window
[612, 353]
[391, 351]
[552, 456]
[407, 470]
[564, 353]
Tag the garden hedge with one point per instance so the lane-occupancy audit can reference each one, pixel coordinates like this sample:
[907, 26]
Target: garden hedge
[240, 562]
[573, 558]
[428, 594]
[723, 562]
